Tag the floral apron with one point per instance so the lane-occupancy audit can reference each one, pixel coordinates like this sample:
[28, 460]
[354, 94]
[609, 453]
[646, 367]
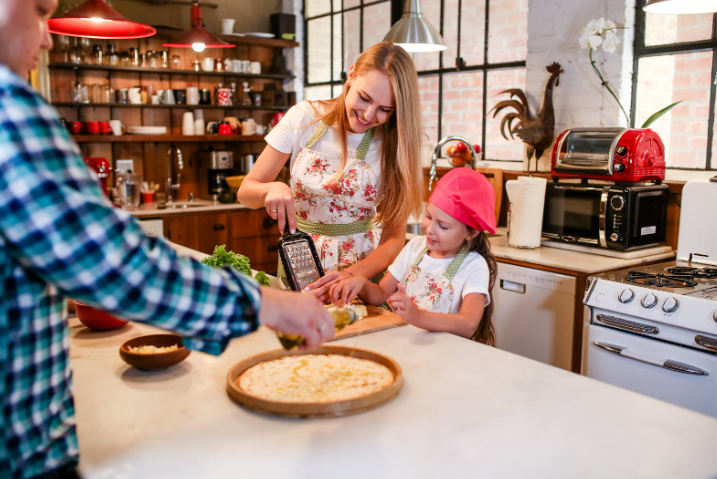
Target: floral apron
[338, 215]
[433, 293]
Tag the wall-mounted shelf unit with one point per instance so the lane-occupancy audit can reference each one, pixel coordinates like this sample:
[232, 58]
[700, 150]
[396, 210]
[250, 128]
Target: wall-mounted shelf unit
[167, 71]
[184, 107]
[166, 138]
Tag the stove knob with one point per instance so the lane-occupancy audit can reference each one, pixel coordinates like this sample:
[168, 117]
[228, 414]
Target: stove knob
[621, 150]
[649, 300]
[614, 237]
[670, 305]
[626, 295]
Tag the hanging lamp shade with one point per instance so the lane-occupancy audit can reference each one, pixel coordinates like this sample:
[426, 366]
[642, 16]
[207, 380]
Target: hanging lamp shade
[681, 6]
[413, 32]
[197, 37]
[96, 19]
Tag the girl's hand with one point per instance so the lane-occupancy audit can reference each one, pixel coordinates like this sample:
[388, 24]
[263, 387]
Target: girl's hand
[344, 292]
[402, 305]
[320, 287]
[279, 204]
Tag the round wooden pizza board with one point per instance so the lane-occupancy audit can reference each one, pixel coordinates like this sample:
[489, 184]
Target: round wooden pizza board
[316, 409]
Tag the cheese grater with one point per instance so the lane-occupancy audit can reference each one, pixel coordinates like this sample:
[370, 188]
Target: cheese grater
[300, 259]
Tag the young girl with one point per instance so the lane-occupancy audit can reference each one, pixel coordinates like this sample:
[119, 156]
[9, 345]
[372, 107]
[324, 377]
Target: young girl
[444, 278]
[351, 157]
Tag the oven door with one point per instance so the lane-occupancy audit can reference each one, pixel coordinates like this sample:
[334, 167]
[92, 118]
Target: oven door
[665, 371]
[574, 214]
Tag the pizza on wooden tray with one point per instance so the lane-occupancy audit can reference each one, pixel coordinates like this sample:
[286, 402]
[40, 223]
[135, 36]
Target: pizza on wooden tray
[314, 378]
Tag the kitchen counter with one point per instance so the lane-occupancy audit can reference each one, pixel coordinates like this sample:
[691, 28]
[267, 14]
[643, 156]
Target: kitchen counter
[198, 206]
[465, 410]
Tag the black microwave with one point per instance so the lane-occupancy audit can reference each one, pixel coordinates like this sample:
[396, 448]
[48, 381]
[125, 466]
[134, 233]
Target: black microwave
[605, 216]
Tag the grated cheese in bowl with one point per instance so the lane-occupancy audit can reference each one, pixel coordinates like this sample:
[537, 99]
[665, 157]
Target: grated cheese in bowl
[152, 349]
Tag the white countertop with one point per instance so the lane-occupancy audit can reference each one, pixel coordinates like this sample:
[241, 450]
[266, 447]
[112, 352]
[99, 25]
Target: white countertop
[466, 410]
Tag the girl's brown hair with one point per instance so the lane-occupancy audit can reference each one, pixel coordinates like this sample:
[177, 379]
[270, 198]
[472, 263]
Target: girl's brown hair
[485, 333]
[401, 187]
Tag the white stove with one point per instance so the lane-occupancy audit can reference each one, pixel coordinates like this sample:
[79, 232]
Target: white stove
[653, 329]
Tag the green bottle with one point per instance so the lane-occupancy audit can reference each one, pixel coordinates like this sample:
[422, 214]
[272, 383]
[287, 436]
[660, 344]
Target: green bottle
[342, 318]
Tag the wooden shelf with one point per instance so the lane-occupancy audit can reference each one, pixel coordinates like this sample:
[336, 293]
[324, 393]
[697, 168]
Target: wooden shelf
[185, 107]
[167, 71]
[165, 138]
[259, 42]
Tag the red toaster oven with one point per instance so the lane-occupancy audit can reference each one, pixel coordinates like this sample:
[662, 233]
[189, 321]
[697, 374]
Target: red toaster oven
[611, 154]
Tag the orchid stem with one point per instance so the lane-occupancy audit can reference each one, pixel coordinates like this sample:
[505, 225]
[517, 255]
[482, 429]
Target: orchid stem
[607, 86]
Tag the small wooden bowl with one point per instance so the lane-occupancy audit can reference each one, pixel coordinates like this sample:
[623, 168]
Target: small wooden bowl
[235, 181]
[97, 319]
[154, 361]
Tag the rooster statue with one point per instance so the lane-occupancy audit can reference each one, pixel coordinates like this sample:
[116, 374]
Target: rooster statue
[536, 132]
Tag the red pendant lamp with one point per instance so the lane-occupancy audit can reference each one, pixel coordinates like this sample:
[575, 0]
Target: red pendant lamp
[197, 38]
[96, 19]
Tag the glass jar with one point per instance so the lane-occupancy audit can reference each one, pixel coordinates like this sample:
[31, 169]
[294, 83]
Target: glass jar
[154, 60]
[111, 56]
[97, 55]
[175, 62]
[165, 58]
[124, 59]
[134, 57]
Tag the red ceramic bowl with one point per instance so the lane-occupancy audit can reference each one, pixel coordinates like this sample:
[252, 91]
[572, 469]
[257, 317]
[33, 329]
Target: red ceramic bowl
[96, 319]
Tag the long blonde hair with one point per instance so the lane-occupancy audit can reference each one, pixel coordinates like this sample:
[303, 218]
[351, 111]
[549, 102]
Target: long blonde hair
[401, 190]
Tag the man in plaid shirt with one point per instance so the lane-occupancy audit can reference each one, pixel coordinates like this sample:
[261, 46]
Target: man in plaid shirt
[60, 237]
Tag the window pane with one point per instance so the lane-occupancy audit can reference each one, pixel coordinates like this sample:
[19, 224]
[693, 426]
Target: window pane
[352, 25]
[338, 54]
[666, 79]
[337, 6]
[351, 3]
[463, 105]
[497, 147]
[431, 13]
[450, 32]
[665, 29]
[319, 38]
[376, 23]
[508, 31]
[317, 92]
[428, 88]
[317, 7]
[472, 31]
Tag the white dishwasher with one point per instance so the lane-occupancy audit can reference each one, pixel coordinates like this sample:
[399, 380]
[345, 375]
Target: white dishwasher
[534, 313]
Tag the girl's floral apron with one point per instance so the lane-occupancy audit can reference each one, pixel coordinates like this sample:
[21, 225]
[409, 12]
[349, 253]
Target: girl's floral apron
[433, 293]
[338, 215]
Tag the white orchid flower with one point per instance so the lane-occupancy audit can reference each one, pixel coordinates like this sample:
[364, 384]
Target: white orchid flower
[583, 31]
[610, 43]
[610, 27]
[595, 27]
[594, 41]
[583, 41]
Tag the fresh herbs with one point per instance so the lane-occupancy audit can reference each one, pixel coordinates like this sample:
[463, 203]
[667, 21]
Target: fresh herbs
[222, 258]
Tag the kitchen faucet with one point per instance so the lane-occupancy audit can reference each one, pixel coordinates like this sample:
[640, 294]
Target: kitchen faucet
[172, 187]
[437, 151]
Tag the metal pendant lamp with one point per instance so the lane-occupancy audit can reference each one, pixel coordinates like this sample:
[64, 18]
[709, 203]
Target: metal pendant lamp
[681, 6]
[413, 32]
[197, 38]
[96, 19]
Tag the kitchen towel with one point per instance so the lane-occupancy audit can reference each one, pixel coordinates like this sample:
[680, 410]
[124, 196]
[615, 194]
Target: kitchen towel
[527, 198]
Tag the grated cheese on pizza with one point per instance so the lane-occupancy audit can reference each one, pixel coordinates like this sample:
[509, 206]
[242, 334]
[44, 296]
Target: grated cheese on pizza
[314, 378]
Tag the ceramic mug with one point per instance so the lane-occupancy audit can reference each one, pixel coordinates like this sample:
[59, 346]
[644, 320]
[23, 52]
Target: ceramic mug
[105, 128]
[135, 95]
[255, 68]
[167, 97]
[92, 127]
[248, 127]
[224, 96]
[76, 127]
[208, 64]
[192, 95]
[180, 96]
[205, 96]
[238, 66]
[118, 128]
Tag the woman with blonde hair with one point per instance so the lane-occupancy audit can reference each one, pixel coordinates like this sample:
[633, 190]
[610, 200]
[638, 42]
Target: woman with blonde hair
[354, 163]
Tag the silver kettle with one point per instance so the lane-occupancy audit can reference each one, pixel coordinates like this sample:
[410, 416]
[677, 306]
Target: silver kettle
[247, 162]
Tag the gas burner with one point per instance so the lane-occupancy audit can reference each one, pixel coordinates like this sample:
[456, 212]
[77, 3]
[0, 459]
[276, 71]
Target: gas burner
[660, 280]
[696, 272]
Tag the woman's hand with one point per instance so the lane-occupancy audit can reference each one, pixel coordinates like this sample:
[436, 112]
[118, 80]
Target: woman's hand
[402, 305]
[296, 313]
[344, 292]
[279, 204]
[320, 287]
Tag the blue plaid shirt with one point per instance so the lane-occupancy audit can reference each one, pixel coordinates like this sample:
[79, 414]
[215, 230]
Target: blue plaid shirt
[60, 237]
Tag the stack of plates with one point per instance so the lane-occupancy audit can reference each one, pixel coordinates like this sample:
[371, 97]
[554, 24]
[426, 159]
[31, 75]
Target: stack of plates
[147, 130]
[259, 34]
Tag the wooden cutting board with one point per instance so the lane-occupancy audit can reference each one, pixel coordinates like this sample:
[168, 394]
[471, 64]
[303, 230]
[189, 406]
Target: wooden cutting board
[377, 320]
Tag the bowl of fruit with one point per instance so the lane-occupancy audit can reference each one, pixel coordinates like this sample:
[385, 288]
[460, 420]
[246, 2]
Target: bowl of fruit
[459, 155]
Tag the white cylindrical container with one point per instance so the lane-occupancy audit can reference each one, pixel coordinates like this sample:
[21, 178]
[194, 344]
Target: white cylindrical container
[188, 123]
[527, 198]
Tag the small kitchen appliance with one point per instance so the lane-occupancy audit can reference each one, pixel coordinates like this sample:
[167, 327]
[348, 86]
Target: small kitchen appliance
[102, 167]
[217, 165]
[611, 154]
[299, 258]
[653, 329]
[606, 215]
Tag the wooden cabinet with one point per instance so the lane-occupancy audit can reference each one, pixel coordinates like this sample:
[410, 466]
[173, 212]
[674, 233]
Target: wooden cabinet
[201, 231]
[254, 234]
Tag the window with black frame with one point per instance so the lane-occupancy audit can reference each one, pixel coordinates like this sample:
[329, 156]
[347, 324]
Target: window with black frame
[676, 60]
[487, 48]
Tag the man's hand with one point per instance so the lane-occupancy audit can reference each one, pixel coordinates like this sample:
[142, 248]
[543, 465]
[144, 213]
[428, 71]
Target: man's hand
[296, 313]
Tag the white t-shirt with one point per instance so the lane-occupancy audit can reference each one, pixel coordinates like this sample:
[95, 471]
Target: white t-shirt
[295, 129]
[472, 277]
